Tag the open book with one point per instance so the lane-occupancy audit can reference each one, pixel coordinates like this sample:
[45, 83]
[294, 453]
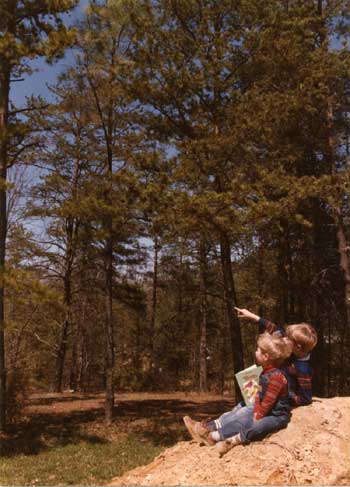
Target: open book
[248, 381]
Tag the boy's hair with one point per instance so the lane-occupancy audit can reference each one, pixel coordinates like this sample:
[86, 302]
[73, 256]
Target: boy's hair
[277, 347]
[302, 334]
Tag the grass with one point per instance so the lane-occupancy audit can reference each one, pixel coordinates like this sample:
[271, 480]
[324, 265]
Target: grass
[82, 463]
[62, 438]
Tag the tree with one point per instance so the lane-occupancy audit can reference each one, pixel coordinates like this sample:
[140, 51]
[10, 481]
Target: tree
[67, 158]
[185, 61]
[20, 21]
[115, 189]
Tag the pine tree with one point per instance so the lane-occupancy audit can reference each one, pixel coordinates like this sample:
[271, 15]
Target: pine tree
[67, 159]
[185, 60]
[114, 190]
[30, 30]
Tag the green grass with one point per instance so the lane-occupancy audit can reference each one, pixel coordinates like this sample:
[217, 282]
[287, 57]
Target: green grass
[82, 463]
[63, 440]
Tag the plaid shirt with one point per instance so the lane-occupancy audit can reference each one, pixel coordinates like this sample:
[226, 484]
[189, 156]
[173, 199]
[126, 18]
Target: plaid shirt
[277, 387]
[299, 370]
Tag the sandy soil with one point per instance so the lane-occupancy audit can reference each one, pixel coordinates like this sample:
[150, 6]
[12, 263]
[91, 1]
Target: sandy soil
[313, 450]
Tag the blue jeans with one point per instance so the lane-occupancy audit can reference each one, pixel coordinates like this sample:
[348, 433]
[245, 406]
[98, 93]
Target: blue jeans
[259, 429]
[241, 421]
[231, 417]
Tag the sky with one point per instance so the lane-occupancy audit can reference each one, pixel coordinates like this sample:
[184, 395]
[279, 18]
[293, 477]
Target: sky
[45, 74]
[37, 84]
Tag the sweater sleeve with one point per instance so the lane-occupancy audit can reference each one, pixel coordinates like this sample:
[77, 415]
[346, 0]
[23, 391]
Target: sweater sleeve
[270, 327]
[277, 384]
[302, 373]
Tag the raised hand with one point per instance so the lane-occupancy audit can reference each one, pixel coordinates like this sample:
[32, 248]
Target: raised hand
[246, 314]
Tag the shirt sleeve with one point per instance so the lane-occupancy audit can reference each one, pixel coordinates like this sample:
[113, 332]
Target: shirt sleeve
[270, 327]
[302, 373]
[276, 385]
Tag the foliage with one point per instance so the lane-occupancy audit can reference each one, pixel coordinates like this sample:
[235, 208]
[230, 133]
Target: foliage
[182, 124]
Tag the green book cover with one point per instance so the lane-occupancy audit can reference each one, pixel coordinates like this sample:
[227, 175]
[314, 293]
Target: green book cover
[248, 381]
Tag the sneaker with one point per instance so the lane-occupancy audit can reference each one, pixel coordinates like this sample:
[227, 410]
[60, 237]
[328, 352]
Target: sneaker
[223, 447]
[203, 432]
[199, 433]
[190, 424]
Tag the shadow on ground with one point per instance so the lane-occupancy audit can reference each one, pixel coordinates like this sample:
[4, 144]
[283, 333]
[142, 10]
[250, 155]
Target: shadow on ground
[156, 420]
[57, 399]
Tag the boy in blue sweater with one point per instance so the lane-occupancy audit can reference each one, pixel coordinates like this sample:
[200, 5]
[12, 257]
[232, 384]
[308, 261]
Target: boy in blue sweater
[303, 338]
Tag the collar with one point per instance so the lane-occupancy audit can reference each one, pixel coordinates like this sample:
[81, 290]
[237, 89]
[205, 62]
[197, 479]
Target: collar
[268, 368]
[304, 359]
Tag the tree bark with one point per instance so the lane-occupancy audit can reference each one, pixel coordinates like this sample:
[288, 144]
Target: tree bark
[74, 362]
[62, 346]
[72, 227]
[343, 249]
[203, 318]
[231, 301]
[109, 332]
[153, 307]
[4, 104]
[343, 245]
[284, 273]
[109, 325]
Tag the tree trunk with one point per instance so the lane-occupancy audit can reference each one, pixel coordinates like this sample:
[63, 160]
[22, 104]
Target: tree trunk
[343, 246]
[62, 346]
[153, 307]
[82, 362]
[4, 102]
[203, 318]
[109, 326]
[109, 331]
[223, 350]
[74, 362]
[83, 365]
[329, 355]
[72, 226]
[231, 301]
[318, 356]
[61, 353]
[343, 249]
[284, 273]
[82, 358]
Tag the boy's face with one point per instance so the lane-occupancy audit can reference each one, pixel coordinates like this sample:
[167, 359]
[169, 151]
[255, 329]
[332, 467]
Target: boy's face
[297, 350]
[261, 357]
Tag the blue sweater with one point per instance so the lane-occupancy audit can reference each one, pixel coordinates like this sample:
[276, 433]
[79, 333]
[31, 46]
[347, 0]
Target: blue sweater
[298, 370]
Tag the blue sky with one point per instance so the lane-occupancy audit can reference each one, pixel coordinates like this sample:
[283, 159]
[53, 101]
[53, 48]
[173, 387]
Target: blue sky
[44, 74]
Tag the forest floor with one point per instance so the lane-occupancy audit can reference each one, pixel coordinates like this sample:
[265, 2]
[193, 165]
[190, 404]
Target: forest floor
[62, 438]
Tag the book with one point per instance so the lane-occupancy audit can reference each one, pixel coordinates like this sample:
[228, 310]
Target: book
[248, 381]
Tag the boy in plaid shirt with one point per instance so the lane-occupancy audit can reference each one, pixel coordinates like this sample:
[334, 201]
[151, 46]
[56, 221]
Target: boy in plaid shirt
[271, 410]
[303, 338]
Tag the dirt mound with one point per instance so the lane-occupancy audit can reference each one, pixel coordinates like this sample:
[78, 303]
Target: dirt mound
[313, 450]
